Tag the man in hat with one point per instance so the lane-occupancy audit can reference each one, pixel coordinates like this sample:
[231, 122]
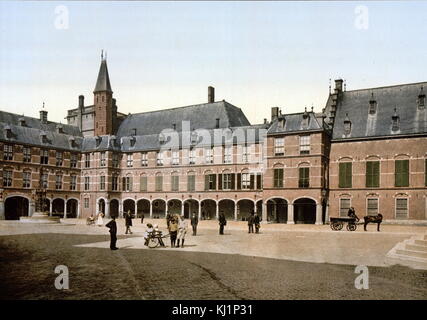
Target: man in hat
[112, 225]
[194, 222]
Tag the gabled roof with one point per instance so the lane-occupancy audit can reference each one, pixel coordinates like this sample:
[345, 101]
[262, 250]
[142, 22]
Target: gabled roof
[355, 105]
[295, 122]
[103, 81]
[201, 116]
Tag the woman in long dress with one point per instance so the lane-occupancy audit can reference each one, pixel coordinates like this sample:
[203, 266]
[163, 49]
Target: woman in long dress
[100, 221]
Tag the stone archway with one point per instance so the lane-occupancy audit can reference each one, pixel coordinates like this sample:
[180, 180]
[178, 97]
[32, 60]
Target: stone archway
[143, 208]
[244, 209]
[159, 208]
[15, 207]
[174, 206]
[277, 210]
[129, 205]
[191, 206]
[208, 207]
[305, 211]
[227, 207]
[72, 208]
[58, 207]
[101, 205]
[114, 208]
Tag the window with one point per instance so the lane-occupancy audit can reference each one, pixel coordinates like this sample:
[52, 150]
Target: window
[115, 160]
[86, 203]
[401, 208]
[372, 206]
[344, 206]
[44, 156]
[175, 183]
[143, 183]
[175, 157]
[279, 146]
[304, 144]
[228, 152]
[160, 158]
[278, 178]
[129, 160]
[114, 183]
[7, 152]
[127, 184]
[73, 182]
[401, 173]
[7, 178]
[304, 178]
[226, 181]
[45, 180]
[144, 159]
[87, 160]
[103, 159]
[26, 179]
[58, 159]
[210, 182]
[345, 175]
[102, 183]
[58, 181]
[191, 182]
[246, 181]
[73, 160]
[192, 156]
[209, 153]
[87, 183]
[259, 181]
[245, 154]
[159, 183]
[27, 154]
[372, 174]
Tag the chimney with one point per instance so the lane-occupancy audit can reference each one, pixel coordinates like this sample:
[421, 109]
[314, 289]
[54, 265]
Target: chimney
[274, 113]
[265, 120]
[43, 116]
[81, 101]
[211, 94]
[338, 85]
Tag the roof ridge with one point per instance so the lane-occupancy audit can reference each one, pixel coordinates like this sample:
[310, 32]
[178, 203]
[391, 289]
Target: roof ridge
[383, 87]
[173, 108]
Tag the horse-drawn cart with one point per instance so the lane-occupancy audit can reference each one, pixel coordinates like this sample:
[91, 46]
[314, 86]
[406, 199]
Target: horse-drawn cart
[338, 223]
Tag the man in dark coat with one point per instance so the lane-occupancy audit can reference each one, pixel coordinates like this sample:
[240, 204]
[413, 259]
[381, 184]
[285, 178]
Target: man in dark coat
[256, 222]
[168, 219]
[128, 222]
[222, 222]
[194, 222]
[112, 225]
[251, 222]
[352, 214]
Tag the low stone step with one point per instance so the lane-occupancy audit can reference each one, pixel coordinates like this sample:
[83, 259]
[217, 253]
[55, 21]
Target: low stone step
[411, 253]
[415, 247]
[421, 242]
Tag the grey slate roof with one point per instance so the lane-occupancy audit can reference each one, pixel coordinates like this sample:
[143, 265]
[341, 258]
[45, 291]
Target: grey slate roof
[34, 128]
[295, 122]
[103, 81]
[200, 116]
[355, 104]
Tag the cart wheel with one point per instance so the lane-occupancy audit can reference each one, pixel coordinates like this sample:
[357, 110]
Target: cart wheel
[351, 227]
[337, 225]
[153, 242]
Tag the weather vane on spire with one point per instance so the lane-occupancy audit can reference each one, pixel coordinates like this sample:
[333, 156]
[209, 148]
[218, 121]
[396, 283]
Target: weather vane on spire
[102, 54]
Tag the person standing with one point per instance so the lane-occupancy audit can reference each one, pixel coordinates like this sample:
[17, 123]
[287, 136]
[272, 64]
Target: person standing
[168, 219]
[100, 220]
[142, 218]
[222, 222]
[128, 222]
[194, 223]
[256, 223]
[112, 225]
[251, 222]
[182, 230]
[173, 230]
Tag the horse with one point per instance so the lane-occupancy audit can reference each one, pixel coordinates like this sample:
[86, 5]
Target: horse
[373, 219]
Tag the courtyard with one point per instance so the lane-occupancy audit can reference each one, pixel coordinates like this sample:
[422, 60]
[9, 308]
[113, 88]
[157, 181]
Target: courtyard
[282, 262]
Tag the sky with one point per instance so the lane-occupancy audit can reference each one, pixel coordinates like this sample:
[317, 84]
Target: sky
[163, 55]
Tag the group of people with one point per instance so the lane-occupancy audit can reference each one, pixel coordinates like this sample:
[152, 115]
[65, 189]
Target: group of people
[177, 226]
[254, 220]
[98, 220]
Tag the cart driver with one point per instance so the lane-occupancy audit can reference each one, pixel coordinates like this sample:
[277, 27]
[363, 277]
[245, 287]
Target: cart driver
[352, 214]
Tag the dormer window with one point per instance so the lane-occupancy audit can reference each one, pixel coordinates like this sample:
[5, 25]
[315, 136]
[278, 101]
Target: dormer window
[395, 119]
[421, 99]
[8, 132]
[72, 142]
[372, 105]
[98, 140]
[22, 122]
[132, 140]
[305, 119]
[347, 125]
[59, 128]
[133, 132]
[43, 137]
[113, 140]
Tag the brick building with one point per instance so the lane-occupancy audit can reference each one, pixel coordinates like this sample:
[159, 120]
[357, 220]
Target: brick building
[207, 158]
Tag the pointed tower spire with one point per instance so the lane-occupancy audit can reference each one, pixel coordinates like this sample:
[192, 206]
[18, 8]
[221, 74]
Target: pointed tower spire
[103, 81]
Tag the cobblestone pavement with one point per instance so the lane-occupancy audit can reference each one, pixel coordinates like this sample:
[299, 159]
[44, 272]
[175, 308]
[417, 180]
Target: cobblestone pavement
[31, 253]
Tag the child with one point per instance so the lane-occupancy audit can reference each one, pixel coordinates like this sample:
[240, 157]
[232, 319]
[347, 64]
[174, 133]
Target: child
[148, 233]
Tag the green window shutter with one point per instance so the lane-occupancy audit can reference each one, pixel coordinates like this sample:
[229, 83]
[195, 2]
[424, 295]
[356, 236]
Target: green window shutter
[123, 184]
[214, 181]
[397, 176]
[239, 181]
[219, 181]
[130, 183]
[368, 174]
[258, 182]
[405, 173]
[207, 182]
[252, 183]
[348, 175]
[233, 181]
[401, 173]
[341, 182]
[376, 174]
[345, 175]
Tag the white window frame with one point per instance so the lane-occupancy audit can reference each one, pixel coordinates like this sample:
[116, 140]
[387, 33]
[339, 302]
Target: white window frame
[279, 146]
[209, 155]
[144, 159]
[407, 207]
[175, 157]
[341, 208]
[228, 154]
[246, 181]
[367, 206]
[304, 144]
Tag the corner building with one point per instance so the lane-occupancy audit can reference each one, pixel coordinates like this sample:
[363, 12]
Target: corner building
[207, 158]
